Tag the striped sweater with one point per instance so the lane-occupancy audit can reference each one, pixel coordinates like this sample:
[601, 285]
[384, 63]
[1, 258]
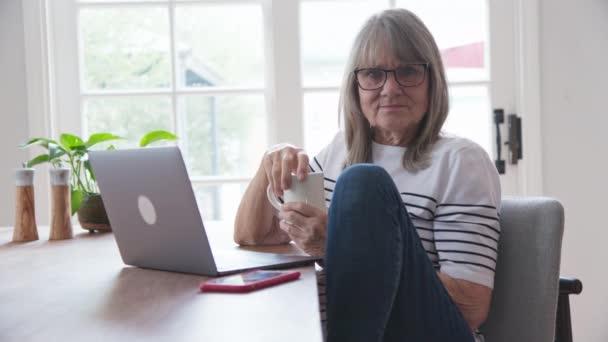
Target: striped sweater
[453, 203]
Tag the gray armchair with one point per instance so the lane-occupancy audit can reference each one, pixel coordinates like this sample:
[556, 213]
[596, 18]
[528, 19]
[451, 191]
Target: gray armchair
[527, 284]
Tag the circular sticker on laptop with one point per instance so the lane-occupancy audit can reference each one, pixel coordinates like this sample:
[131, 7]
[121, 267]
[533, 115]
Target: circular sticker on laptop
[146, 209]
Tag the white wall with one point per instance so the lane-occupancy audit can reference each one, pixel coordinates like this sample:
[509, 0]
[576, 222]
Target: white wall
[574, 90]
[13, 103]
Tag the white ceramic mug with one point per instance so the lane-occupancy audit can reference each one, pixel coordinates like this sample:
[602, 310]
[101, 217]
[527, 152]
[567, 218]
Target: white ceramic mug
[310, 190]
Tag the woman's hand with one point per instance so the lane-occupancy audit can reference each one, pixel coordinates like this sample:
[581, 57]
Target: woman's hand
[306, 225]
[472, 299]
[280, 161]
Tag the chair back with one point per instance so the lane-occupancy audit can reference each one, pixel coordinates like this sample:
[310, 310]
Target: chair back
[524, 300]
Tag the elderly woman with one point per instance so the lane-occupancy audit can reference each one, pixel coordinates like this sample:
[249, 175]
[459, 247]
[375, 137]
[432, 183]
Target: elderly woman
[410, 237]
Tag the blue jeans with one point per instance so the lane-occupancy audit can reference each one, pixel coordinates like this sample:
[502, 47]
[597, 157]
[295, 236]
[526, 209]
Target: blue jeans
[381, 285]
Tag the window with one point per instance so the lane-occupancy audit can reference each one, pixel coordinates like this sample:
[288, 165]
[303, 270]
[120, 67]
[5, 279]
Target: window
[235, 76]
[167, 65]
[463, 45]
[323, 61]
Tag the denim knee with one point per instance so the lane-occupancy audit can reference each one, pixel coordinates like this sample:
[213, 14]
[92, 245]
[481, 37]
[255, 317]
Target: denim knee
[364, 181]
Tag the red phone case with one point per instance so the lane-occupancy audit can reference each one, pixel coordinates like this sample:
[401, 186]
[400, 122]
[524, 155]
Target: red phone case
[209, 286]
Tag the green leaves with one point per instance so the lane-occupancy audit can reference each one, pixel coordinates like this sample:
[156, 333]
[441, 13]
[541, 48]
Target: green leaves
[71, 150]
[76, 201]
[70, 141]
[156, 136]
[101, 137]
[56, 151]
[87, 166]
[43, 158]
[38, 141]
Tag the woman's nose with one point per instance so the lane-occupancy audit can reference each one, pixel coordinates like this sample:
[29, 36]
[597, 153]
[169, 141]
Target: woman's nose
[391, 86]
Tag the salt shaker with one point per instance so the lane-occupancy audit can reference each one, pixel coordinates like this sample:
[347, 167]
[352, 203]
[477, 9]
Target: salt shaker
[25, 213]
[61, 224]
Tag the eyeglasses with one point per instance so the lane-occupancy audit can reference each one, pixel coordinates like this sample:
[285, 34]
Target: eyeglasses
[409, 75]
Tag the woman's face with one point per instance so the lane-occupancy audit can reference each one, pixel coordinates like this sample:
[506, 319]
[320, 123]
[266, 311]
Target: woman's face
[393, 111]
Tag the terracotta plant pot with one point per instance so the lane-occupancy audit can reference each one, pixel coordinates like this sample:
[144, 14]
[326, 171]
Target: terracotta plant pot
[92, 214]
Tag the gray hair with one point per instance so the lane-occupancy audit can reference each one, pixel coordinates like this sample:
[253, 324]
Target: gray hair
[410, 41]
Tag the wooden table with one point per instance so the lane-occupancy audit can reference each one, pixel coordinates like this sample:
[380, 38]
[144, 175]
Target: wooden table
[79, 290]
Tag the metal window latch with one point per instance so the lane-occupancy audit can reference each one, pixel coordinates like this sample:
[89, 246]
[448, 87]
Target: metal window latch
[514, 143]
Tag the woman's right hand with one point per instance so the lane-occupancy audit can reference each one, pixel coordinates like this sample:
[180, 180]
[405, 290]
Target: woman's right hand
[280, 161]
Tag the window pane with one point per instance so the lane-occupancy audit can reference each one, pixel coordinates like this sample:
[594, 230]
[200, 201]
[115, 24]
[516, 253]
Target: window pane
[327, 35]
[225, 135]
[125, 48]
[219, 45]
[128, 117]
[320, 120]
[470, 115]
[218, 202]
[463, 42]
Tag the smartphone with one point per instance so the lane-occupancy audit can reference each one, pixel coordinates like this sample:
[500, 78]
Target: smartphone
[249, 281]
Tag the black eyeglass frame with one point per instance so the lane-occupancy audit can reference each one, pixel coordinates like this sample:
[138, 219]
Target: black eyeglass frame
[394, 71]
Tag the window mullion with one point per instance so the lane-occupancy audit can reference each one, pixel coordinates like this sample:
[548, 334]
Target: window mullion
[177, 120]
[64, 80]
[283, 72]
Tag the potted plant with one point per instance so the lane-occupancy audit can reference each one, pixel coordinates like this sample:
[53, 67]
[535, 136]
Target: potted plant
[72, 151]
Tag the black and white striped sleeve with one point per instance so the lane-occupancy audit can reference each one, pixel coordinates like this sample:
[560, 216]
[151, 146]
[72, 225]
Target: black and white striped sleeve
[466, 223]
[314, 164]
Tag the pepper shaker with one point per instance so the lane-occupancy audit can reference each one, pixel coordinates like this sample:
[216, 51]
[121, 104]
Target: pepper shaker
[25, 213]
[61, 224]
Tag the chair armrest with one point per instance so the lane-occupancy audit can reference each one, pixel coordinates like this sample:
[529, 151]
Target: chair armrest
[570, 286]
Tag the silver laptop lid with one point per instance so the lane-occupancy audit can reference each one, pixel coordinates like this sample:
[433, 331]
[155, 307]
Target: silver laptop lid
[152, 209]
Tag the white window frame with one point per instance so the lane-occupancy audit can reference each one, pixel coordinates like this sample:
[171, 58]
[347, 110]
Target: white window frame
[54, 105]
[282, 71]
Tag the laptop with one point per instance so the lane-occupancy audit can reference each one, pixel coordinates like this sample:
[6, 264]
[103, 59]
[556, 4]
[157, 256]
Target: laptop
[155, 218]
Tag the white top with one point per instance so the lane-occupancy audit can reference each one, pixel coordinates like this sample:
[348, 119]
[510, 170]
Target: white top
[453, 203]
